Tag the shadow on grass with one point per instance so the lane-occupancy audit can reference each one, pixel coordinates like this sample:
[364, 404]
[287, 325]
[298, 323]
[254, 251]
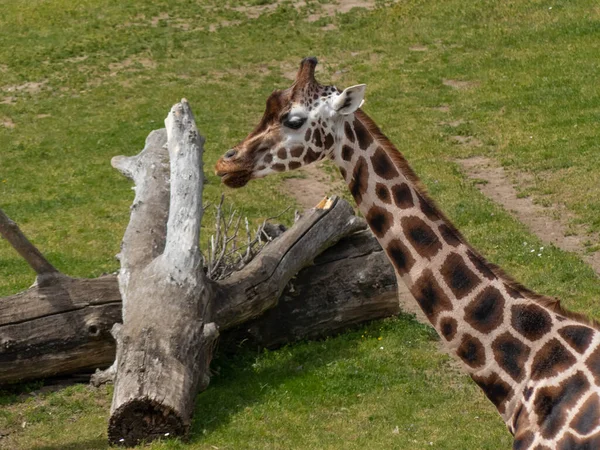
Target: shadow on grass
[240, 384]
[89, 444]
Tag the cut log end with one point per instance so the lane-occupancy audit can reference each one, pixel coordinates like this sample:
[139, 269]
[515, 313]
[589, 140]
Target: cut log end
[144, 420]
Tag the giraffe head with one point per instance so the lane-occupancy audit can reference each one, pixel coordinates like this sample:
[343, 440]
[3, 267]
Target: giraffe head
[300, 125]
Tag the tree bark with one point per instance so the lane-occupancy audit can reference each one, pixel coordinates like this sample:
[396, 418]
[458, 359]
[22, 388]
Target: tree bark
[165, 345]
[348, 284]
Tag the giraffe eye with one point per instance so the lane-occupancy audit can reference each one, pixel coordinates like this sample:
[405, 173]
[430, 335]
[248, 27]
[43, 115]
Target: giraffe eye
[293, 122]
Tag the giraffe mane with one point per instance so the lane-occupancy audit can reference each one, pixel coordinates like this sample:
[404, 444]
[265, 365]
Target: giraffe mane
[551, 303]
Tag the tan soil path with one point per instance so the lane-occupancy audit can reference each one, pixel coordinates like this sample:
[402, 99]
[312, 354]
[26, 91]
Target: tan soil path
[538, 219]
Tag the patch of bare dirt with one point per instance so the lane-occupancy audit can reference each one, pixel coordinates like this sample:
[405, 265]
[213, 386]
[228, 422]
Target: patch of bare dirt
[154, 21]
[8, 100]
[131, 65]
[31, 87]
[77, 59]
[453, 123]
[467, 141]
[418, 48]
[7, 122]
[42, 116]
[459, 84]
[341, 7]
[323, 10]
[442, 108]
[540, 220]
[226, 23]
[310, 189]
[3, 68]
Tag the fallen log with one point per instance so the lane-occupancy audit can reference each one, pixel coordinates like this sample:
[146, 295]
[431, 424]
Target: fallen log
[66, 327]
[348, 284]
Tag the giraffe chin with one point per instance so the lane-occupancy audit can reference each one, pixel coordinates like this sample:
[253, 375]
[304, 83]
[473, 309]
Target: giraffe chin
[236, 179]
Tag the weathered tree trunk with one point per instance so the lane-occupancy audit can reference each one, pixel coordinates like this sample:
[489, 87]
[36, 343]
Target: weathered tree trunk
[165, 345]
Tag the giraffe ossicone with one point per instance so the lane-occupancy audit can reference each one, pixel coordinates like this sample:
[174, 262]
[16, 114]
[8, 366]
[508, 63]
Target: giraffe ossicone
[538, 364]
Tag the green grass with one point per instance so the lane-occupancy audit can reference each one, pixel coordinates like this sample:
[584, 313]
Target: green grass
[110, 72]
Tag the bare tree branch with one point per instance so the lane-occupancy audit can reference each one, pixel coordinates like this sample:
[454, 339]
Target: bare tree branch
[11, 232]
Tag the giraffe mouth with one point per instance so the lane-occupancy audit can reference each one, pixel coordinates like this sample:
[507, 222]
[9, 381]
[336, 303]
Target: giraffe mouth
[235, 179]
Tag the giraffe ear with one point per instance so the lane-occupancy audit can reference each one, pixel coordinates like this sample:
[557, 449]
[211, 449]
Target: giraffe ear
[350, 100]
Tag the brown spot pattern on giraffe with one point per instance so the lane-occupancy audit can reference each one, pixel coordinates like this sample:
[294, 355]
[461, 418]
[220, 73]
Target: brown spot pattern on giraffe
[421, 236]
[460, 279]
[328, 141]
[577, 336]
[471, 351]
[310, 156]
[383, 165]
[382, 193]
[588, 416]
[430, 296]
[480, 265]
[449, 235]
[400, 256]
[297, 151]
[308, 134]
[349, 133]
[278, 167]
[295, 165]
[363, 136]
[593, 363]
[512, 292]
[402, 196]
[511, 355]
[552, 403]
[360, 180]
[268, 158]
[486, 311]
[532, 321]
[427, 208]
[448, 327]
[380, 220]
[497, 390]
[317, 138]
[347, 152]
[523, 441]
[572, 442]
[550, 360]
[282, 153]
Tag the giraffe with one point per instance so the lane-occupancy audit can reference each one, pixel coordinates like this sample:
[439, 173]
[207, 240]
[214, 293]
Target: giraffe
[538, 363]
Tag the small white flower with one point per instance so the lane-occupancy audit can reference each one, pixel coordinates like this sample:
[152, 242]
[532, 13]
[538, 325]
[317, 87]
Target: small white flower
[380, 348]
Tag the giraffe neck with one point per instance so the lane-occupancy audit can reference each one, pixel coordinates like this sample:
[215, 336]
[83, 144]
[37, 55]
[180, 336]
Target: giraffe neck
[502, 332]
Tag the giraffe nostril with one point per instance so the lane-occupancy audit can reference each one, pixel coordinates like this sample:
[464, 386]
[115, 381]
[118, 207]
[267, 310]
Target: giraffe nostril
[230, 154]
